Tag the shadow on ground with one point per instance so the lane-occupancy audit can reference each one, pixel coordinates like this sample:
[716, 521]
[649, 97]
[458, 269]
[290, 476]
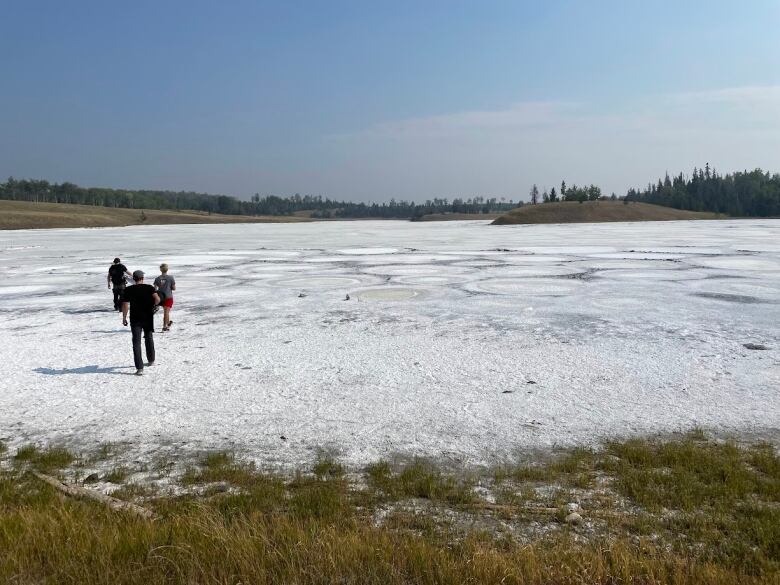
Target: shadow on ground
[85, 370]
[126, 330]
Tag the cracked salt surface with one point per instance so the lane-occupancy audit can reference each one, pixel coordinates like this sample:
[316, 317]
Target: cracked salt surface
[431, 355]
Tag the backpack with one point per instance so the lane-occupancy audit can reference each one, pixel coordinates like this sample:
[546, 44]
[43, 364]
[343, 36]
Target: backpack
[117, 273]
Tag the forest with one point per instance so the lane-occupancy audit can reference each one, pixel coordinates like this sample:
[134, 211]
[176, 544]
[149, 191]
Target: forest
[741, 194]
[44, 192]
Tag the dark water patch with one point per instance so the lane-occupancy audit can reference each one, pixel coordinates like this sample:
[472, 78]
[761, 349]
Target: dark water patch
[587, 275]
[755, 346]
[729, 298]
[724, 277]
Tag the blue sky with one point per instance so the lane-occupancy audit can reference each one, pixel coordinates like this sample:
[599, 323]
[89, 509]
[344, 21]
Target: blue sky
[368, 100]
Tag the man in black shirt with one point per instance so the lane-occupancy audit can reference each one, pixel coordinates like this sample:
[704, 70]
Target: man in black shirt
[141, 300]
[116, 276]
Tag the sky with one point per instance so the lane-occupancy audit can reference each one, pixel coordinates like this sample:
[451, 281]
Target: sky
[366, 101]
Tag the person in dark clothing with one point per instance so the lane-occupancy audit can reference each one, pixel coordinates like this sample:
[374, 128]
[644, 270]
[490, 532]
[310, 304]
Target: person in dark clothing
[116, 276]
[140, 299]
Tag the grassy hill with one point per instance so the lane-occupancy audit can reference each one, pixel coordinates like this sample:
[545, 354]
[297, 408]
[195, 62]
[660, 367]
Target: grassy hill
[18, 215]
[596, 211]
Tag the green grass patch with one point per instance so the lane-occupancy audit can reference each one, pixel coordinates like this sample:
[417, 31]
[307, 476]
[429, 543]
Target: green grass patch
[19, 490]
[420, 479]
[134, 491]
[320, 499]
[26, 453]
[718, 498]
[764, 459]
[104, 452]
[326, 467]
[573, 468]
[44, 460]
[117, 475]
[218, 460]
[222, 467]
[242, 489]
[688, 474]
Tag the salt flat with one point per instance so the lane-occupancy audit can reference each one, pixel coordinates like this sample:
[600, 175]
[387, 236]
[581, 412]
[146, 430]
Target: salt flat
[460, 340]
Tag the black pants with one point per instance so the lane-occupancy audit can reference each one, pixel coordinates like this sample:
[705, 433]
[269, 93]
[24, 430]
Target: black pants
[119, 289]
[148, 330]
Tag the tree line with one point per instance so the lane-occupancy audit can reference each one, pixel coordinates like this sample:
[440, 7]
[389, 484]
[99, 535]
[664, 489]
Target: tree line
[740, 194]
[41, 191]
[572, 193]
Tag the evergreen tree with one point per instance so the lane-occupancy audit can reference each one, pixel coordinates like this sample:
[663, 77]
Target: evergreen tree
[747, 193]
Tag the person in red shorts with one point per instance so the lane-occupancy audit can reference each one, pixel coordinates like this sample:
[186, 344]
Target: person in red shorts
[165, 284]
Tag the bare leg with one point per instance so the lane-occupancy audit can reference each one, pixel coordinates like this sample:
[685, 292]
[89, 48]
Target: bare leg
[166, 317]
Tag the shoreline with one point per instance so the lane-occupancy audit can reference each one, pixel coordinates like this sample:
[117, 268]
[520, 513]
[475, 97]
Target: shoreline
[685, 509]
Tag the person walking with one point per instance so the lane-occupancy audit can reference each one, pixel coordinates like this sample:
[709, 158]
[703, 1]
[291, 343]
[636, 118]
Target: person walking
[140, 299]
[116, 276]
[165, 284]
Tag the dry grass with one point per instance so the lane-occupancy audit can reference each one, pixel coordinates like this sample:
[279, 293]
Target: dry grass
[688, 510]
[17, 215]
[596, 211]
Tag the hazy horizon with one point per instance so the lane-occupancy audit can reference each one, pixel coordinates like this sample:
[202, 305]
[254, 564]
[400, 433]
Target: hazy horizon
[365, 103]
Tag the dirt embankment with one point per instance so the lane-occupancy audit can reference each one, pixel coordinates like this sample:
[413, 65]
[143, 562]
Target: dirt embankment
[597, 211]
[18, 215]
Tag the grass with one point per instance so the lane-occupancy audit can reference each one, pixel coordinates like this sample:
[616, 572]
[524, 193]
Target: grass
[763, 459]
[117, 475]
[327, 467]
[104, 452]
[596, 211]
[719, 495]
[134, 492]
[571, 468]
[47, 460]
[28, 215]
[688, 510]
[320, 499]
[202, 546]
[222, 467]
[420, 479]
[688, 475]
